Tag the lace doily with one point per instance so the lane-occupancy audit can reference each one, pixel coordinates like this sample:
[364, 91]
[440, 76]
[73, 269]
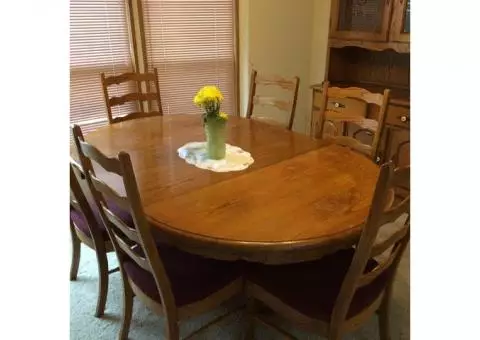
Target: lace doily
[195, 153]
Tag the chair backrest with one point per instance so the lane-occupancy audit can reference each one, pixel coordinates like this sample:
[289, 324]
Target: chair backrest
[370, 245]
[289, 84]
[139, 96]
[333, 116]
[135, 243]
[79, 202]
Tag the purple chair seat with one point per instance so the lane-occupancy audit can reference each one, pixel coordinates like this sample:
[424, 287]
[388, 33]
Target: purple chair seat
[312, 287]
[192, 277]
[81, 223]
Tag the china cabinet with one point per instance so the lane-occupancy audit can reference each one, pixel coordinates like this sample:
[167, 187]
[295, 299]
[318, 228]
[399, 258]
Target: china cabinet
[369, 47]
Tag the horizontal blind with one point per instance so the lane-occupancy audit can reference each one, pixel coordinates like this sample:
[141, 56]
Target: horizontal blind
[99, 42]
[191, 43]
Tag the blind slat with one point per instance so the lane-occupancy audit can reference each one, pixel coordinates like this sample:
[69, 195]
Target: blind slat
[99, 42]
[191, 43]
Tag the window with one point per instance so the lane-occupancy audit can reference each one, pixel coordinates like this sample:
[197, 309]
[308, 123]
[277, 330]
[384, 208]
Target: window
[99, 42]
[191, 43]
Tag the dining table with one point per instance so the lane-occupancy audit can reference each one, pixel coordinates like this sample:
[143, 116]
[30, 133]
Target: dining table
[301, 199]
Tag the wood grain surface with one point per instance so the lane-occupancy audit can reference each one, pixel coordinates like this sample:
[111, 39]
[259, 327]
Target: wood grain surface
[301, 198]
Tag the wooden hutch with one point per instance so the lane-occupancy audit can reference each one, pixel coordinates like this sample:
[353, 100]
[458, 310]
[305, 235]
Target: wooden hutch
[369, 47]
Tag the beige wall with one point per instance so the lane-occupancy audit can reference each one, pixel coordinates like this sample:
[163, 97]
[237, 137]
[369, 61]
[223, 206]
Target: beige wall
[285, 37]
[318, 60]
[244, 50]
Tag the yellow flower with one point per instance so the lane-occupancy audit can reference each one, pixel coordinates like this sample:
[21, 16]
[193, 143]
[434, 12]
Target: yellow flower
[208, 94]
[223, 115]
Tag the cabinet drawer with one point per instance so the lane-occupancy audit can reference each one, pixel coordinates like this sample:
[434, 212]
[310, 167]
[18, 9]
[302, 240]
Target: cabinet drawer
[347, 106]
[398, 116]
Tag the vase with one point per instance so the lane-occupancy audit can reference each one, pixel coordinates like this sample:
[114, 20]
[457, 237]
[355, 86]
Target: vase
[215, 132]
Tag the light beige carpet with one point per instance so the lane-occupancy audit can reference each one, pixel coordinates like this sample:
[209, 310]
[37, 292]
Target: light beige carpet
[147, 326]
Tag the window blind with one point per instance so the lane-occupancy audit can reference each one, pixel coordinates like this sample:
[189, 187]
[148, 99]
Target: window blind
[99, 42]
[191, 43]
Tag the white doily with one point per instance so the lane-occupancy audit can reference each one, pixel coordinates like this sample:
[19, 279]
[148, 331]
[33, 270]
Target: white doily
[195, 153]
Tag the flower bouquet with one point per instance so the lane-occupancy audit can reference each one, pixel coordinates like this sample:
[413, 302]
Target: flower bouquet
[209, 98]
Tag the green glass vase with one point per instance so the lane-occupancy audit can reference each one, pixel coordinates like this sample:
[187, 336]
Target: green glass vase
[215, 131]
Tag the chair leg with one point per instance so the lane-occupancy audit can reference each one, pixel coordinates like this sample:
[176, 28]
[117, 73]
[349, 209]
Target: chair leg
[171, 331]
[76, 250]
[384, 319]
[102, 283]
[335, 332]
[250, 329]
[127, 310]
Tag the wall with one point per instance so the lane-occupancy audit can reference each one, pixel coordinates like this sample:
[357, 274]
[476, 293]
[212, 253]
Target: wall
[319, 55]
[284, 37]
[244, 51]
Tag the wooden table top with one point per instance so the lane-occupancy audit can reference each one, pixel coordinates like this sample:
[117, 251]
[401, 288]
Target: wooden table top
[300, 199]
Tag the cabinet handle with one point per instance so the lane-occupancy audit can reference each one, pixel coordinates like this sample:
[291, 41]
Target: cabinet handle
[405, 119]
[337, 105]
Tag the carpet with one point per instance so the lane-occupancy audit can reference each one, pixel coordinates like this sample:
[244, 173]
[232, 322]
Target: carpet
[147, 326]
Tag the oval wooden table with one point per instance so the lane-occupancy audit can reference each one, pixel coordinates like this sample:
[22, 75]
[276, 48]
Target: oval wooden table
[299, 200]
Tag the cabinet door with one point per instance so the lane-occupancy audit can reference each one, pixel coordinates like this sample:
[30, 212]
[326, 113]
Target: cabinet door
[360, 19]
[400, 24]
[398, 147]
[398, 150]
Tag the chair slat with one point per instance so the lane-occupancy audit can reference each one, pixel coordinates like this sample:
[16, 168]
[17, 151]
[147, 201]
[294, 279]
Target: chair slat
[129, 97]
[368, 278]
[352, 144]
[76, 166]
[129, 76]
[129, 232]
[343, 117]
[141, 261]
[108, 191]
[284, 83]
[109, 164]
[271, 101]
[135, 115]
[356, 92]
[380, 248]
[395, 212]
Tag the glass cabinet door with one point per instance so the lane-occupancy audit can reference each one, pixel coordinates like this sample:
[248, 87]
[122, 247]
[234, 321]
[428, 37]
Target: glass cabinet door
[360, 19]
[400, 26]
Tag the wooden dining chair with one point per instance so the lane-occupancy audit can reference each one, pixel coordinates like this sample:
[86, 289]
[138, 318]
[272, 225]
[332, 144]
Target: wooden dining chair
[139, 96]
[170, 282]
[339, 292]
[334, 116]
[289, 84]
[86, 227]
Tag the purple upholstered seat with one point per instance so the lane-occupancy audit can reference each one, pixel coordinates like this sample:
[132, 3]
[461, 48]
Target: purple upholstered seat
[81, 223]
[312, 287]
[192, 277]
